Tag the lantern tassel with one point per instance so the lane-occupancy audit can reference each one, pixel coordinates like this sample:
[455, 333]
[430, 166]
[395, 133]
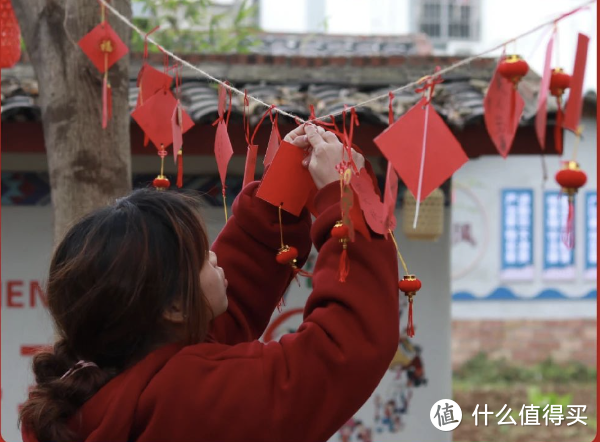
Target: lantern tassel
[410, 328]
[180, 169]
[558, 127]
[568, 236]
[105, 101]
[344, 269]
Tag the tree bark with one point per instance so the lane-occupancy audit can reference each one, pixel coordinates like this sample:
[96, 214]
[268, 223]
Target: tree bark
[88, 166]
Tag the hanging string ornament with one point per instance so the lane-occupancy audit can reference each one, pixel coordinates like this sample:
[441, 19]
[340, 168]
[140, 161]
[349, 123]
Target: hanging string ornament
[409, 285]
[10, 36]
[287, 255]
[223, 148]
[104, 48]
[559, 82]
[513, 68]
[177, 125]
[161, 182]
[570, 178]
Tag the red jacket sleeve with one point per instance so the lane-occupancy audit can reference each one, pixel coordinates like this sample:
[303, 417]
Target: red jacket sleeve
[318, 377]
[246, 250]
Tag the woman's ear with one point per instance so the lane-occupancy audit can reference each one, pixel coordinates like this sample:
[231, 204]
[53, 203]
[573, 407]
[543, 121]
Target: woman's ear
[174, 313]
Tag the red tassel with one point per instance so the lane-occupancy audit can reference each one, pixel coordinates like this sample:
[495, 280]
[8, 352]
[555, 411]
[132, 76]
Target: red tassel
[105, 101]
[410, 328]
[558, 128]
[568, 235]
[180, 169]
[344, 264]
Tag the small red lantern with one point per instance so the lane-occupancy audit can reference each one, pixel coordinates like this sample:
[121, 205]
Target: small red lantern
[287, 255]
[410, 285]
[513, 68]
[570, 178]
[161, 182]
[10, 36]
[559, 81]
[341, 232]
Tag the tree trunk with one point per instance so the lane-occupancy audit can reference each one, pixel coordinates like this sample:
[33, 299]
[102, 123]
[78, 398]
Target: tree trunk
[88, 166]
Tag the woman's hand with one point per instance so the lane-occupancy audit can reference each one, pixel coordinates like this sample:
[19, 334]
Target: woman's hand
[298, 137]
[326, 154]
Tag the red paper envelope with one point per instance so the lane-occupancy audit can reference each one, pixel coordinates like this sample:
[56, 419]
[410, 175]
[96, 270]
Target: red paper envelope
[371, 205]
[402, 145]
[91, 42]
[272, 146]
[574, 105]
[250, 164]
[155, 118]
[498, 112]
[542, 112]
[150, 81]
[286, 181]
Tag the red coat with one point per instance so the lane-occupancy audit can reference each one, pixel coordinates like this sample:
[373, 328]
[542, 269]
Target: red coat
[237, 389]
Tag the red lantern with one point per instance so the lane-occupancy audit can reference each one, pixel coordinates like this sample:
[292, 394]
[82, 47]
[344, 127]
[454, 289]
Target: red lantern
[570, 178]
[513, 68]
[287, 255]
[410, 285]
[341, 232]
[559, 81]
[10, 36]
[161, 182]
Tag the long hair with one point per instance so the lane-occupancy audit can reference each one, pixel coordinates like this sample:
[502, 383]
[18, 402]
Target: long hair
[111, 279]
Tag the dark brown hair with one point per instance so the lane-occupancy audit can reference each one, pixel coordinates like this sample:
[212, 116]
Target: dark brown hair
[111, 279]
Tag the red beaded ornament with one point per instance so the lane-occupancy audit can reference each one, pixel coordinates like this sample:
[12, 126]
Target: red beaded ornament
[559, 81]
[410, 285]
[161, 182]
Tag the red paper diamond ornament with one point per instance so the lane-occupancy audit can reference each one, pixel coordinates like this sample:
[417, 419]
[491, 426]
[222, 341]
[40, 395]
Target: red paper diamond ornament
[155, 117]
[103, 46]
[223, 150]
[151, 81]
[402, 144]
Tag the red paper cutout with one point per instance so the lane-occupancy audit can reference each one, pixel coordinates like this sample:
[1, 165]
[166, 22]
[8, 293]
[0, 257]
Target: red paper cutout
[91, 45]
[250, 164]
[155, 118]
[402, 145]
[390, 195]
[574, 106]
[151, 81]
[287, 181]
[273, 144]
[371, 205]
[223, 150]
[176, 121]
[542, 113]
[498, 112]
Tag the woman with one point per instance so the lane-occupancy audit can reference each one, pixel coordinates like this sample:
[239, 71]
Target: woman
[158, 335]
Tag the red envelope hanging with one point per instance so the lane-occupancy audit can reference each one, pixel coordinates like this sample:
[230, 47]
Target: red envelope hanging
[542, 112]
[155, 117]
[250, 164]
[498, 112]
[370, 204]
[150, 81]
[402, 145]
[223, 150]
[176, 128]
[273, 143]
[574, 106]
[102, 37]
[286, 181]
